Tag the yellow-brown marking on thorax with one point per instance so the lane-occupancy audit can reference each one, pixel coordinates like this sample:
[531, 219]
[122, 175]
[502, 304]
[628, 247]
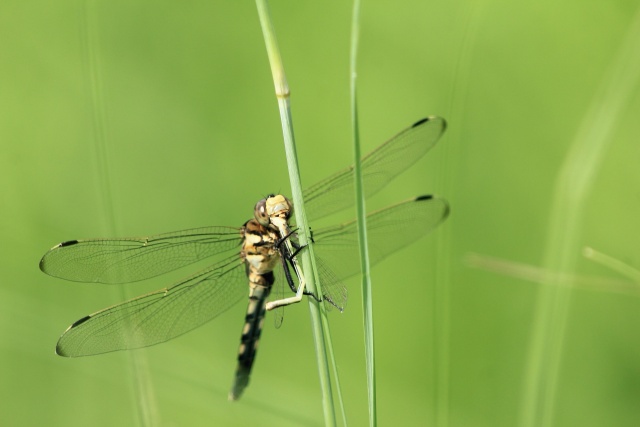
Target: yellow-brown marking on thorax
[259, 251]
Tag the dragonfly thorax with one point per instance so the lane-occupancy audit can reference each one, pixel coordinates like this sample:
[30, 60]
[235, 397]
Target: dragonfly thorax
[259, 248]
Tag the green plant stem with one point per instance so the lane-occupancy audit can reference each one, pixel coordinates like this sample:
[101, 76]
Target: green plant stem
[361, 218]
[332, 361]
[613, 263]
[143, 388]
[446, 261]
[320, 334]
[569, 202]
[537, 274]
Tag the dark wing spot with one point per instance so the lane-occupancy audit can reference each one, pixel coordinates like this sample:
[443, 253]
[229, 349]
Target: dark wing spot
[419, 122]
[79, 322]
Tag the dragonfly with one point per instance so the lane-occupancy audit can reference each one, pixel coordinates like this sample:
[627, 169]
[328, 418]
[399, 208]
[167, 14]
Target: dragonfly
[260, 254]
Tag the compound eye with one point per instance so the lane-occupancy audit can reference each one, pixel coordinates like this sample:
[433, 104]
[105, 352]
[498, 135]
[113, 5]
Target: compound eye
[260, 212]
[290, 212]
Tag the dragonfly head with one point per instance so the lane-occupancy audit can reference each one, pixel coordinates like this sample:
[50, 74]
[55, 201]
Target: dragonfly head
[275, 206]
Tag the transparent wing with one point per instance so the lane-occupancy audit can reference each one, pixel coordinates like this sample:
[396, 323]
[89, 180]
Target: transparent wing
[277, 293]
[378, 168]
[158, 316]
[129, 259]
[389, 230]
[333, 290]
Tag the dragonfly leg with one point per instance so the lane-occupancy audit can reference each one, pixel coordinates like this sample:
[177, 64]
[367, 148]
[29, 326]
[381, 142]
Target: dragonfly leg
[301, 289]
[297, 248]
[312, 295]
[290, 244]
[285, 301]
[289, 278]
[286, 238]
[302, 283]
[298, 297]
[287, 272]
[286, 261]
[289, 252]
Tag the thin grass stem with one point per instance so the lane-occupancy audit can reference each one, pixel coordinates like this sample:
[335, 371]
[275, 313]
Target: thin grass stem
[334, 366]
[143, 388]
[320, 333]
[361, 219]
[573, 185]
[613, 263]
[537, 274]
[467, 27]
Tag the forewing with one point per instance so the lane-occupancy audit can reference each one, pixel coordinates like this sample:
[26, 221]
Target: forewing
[388, 230]
[130, 259]
[158, 316]
[378, 168]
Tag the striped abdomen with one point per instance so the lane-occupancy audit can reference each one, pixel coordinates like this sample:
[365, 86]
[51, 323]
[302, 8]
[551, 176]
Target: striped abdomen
[250, 337]
[260, 255]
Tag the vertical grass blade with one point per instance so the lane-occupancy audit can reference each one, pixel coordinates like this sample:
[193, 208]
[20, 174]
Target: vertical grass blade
[320, 333]
[143, 388]
[467, 26]
[573, 186]
[334, 366]
[361, 218]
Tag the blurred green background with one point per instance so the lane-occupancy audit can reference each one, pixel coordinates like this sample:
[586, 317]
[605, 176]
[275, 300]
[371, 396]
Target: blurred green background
[184, 113]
